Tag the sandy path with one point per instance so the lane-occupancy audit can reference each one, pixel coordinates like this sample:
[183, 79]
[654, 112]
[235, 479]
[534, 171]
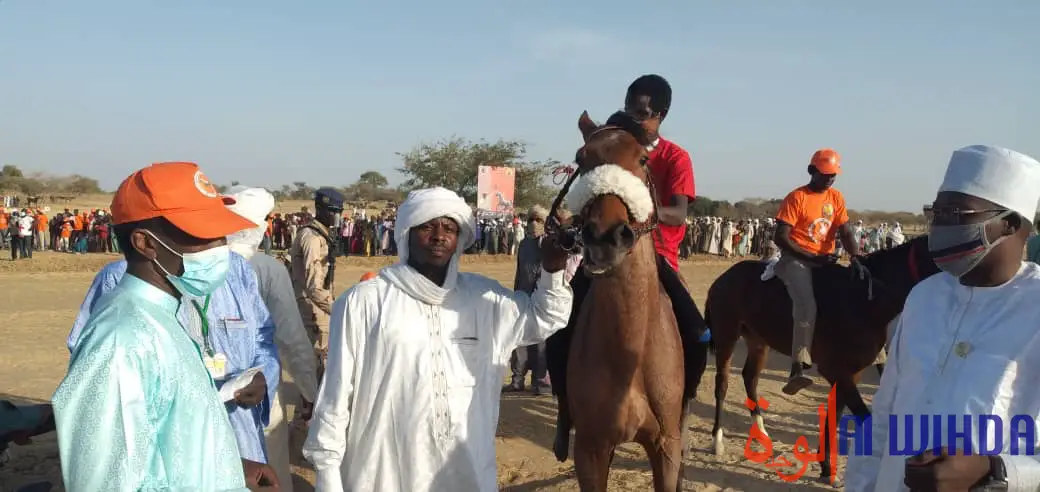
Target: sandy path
[40, 299]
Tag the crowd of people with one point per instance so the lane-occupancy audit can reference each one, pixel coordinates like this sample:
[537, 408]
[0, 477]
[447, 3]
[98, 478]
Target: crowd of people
[26, 230]
[754, 237]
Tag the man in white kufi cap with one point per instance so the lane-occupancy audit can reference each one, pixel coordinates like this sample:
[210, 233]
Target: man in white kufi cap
[409, 402]
[295, 351]
[967, 345]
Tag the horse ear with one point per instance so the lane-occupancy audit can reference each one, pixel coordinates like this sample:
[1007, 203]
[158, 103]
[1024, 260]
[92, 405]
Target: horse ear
[586, 125]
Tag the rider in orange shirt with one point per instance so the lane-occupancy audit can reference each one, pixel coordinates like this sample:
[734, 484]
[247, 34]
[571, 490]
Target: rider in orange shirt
[806, 225]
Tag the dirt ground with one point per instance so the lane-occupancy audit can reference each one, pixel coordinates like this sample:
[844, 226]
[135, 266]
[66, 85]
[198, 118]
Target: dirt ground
[41, 297]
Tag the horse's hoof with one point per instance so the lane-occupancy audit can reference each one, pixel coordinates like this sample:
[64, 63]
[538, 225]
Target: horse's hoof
[827, 481]
[560, 448]
[761, 425]
[718, 444]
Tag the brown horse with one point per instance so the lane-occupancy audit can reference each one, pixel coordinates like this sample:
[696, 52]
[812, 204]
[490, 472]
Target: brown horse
[851, 327]
[625, 362]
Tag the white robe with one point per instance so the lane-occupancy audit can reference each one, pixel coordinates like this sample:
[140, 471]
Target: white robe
[958, 350]
[296, 354]
[410, 399]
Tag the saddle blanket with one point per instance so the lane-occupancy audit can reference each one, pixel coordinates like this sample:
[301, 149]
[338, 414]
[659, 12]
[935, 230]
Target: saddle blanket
[770, 270]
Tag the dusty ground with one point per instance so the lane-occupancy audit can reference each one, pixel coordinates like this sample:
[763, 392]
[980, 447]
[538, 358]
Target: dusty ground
[41, 296]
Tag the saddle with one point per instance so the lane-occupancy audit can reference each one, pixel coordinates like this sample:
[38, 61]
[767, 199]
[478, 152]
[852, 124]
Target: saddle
[692, 329]
[770, 269]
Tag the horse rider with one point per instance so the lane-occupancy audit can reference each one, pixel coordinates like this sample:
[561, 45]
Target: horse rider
[808, 221]
[312, 266]
[966, 342]
[669, 166]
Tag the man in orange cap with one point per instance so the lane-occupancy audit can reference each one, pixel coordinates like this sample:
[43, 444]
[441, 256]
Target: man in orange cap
[138, 408]
[806, 225]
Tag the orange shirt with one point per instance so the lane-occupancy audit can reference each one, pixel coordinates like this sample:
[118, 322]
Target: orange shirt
[3, 220]
[77, 223]
[41, 223]
[814, 218]
[66, 230]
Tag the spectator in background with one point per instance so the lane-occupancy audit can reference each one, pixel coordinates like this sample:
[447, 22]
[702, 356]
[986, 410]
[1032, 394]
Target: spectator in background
[528, 269]
[1033, 244]
[26, 230]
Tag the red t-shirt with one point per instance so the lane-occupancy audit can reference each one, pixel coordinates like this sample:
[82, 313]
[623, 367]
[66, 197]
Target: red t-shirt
[672, 171]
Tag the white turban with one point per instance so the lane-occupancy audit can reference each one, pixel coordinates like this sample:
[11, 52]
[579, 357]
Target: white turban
[1002, 176]
[427, 204]
[420, 207]
[254, 204]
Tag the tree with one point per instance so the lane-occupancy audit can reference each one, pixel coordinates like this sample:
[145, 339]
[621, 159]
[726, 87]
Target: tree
[373, 179]
[10, 171]
[83, 185]
[453, 164]
[302, 191]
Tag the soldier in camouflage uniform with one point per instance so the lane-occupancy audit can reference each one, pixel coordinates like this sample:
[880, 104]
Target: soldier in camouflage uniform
[313, 267]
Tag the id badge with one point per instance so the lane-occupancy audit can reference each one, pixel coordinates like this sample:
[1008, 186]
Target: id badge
[216, 365]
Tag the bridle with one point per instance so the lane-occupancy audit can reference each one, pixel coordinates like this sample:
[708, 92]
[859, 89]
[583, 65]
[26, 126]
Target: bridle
[911, 263]
[570, 235]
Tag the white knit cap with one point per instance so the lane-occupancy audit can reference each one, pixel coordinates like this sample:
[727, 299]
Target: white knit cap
[254, 204]
[1002, 176]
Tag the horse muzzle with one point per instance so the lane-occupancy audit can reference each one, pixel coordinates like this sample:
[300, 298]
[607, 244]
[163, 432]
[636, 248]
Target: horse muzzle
[604, 252]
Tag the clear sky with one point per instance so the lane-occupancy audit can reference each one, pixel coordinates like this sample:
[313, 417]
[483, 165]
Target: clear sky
[269, 92]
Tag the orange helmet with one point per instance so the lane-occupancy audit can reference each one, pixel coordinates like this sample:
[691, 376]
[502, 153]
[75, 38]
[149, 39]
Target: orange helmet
[826, 161]
[368, 276]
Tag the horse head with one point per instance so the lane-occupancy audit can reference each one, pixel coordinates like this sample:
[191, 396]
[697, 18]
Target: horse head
[902, 267]
[612, 195]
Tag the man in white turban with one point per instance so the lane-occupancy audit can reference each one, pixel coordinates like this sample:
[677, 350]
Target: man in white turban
[410, 397]
[966, 349]
[295, 350]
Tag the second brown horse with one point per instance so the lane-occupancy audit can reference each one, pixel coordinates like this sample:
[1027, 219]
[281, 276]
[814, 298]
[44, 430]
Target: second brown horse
[851, 326]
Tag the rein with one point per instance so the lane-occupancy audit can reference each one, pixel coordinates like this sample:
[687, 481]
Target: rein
[575, 244]
[911, 264]
[915, 273]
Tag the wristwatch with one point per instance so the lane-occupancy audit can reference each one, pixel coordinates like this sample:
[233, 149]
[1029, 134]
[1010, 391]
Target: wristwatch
[996, 481]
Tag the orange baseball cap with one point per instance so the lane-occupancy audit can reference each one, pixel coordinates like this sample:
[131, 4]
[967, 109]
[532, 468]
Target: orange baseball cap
[827, 161]
[181, 194]
[368, 276]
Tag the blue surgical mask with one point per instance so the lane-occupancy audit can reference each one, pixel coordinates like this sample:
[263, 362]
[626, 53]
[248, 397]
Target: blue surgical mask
[204, 271]
[958, 249]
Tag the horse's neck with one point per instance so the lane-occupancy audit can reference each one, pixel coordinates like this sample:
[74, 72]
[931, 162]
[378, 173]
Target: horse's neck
[895, 283]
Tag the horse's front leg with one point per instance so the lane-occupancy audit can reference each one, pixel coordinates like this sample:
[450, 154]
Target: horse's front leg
[757, 354]
[592, 459]
[562, 442]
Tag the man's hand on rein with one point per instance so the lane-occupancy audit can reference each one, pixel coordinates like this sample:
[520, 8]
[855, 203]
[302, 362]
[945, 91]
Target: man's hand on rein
[554, 258]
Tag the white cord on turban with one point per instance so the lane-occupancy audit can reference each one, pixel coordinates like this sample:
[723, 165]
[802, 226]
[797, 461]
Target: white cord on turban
[420, 207]
[254, 204]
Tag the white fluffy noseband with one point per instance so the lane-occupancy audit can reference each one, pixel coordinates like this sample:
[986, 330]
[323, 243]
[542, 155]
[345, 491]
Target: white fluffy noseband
[611, 179]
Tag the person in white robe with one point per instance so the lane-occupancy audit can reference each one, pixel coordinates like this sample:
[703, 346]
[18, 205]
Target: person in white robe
[294, 347]
[727, 238]
[417, 355]
[966, 344]
[896, 235]
[714, 235]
